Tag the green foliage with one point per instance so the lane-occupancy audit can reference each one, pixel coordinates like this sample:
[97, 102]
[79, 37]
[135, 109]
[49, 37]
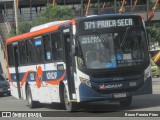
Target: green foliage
[23, 27]
[51, 13]
[154, 30]
[12, 32]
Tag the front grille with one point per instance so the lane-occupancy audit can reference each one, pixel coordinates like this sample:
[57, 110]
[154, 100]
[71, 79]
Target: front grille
[125, 85]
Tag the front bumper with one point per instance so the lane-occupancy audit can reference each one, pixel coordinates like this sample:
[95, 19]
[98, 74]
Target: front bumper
[89, 94]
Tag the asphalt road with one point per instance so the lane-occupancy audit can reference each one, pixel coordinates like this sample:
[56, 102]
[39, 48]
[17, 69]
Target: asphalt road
[148, 103]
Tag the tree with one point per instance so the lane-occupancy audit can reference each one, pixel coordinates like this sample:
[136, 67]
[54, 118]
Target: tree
[50, 14]
[154, 30]
[53, 13]
[23, 26]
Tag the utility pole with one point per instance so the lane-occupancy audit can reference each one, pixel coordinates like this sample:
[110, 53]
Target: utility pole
[15, 15]
[81, 8]
[30, 6]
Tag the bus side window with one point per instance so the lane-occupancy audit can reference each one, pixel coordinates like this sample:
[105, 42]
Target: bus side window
[10, 55]
[57, 50]
[38, 50]
[22, 52]
[30, 52]
[47, 48]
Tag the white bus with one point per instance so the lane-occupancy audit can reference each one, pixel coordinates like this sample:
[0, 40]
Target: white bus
[95, 58]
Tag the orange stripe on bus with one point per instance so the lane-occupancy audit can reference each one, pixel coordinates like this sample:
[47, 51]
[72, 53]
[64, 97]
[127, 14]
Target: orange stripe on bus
[38, 80]
[73, 22]
[25, 77]
[35, 33]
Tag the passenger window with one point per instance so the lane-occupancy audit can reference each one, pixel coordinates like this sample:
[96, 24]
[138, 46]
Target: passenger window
[57, 48]
[30, 52]
[47, 48]
[22, 52]
[10, 55]
[38, 49]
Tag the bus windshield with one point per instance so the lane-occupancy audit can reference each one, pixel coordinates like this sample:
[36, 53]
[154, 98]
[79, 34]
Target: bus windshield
[112, 50]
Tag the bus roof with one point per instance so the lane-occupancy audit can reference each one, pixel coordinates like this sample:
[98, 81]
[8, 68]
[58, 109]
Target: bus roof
[39, 27]
[36, 32]
[108, 15]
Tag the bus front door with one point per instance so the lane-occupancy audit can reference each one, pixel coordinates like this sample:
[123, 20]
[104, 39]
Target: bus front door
[69, 66]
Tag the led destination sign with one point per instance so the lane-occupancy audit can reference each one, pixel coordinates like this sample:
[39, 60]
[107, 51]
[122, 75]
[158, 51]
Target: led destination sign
[101, 24]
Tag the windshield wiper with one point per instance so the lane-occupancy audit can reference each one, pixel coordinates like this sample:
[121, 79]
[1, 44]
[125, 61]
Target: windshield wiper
[124, 38]
[105, 43]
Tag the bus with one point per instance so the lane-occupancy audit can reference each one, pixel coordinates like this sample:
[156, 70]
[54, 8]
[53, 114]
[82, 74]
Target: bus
[94, 58]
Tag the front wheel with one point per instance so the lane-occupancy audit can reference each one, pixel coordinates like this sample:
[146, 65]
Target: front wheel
[30, 101]
[126, 102]
[70, 106]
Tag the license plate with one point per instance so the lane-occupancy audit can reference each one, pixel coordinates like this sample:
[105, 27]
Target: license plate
[119, 95]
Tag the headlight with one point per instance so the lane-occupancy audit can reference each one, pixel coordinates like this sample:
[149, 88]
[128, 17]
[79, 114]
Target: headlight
[147, 75]
[85, 81]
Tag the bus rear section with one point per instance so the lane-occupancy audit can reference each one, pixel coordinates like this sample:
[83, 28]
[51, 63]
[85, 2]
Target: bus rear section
[88, 59]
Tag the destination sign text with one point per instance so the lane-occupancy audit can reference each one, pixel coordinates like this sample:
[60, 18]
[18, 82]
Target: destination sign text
[101, 24]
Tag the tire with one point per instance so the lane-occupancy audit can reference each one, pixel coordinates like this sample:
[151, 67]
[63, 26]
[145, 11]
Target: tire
[126, 102]
[70, 106]
[31, 103]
